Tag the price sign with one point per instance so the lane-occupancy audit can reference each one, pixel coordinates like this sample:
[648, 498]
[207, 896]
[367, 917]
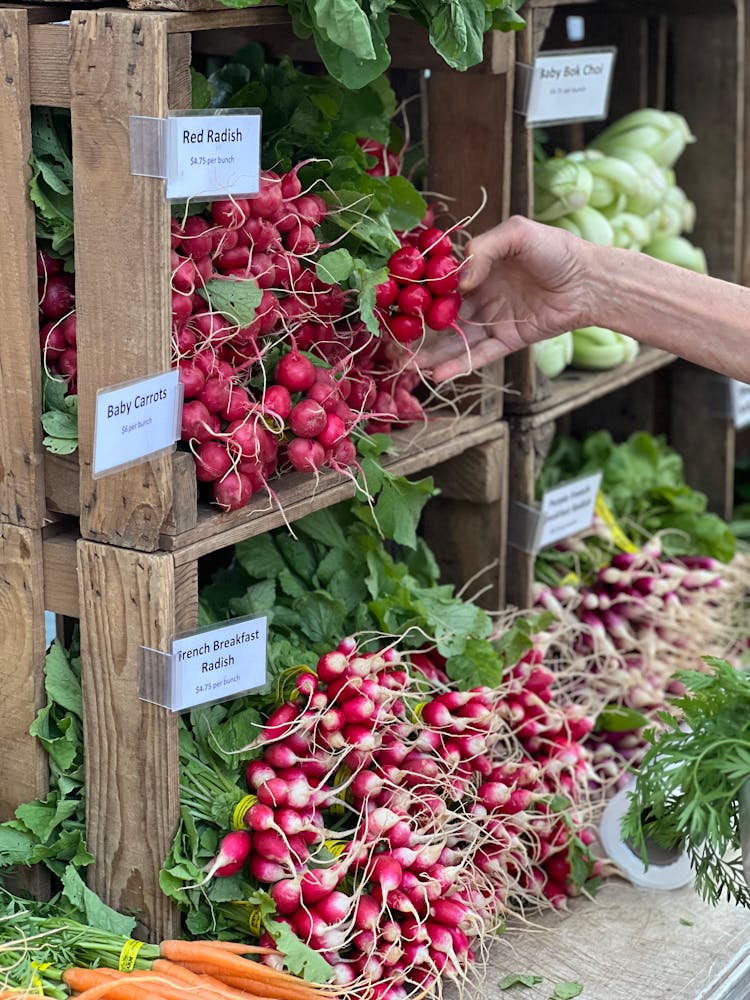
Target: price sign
[136, 421]
[211, 156]
[568, 508]
[570, 86]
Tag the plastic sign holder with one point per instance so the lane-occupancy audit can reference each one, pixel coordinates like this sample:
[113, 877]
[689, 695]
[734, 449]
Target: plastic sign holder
[201, 154]
[212, 664]
[565, 86]
[136, 421]
[564, 510]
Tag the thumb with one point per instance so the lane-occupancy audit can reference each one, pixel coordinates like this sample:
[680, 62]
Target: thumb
[482, 253]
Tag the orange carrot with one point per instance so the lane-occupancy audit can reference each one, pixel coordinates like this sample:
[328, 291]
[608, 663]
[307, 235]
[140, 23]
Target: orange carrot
[211, 986]
[233, 965]
[92, 984]
[237, 948]
[298, 990]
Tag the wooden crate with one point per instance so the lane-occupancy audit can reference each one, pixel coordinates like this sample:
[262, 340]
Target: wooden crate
[126, 599]
[107, 66]
[672, 54]
[622, 403]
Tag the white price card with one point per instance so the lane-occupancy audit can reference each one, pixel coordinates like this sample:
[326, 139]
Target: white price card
[218, 663]
[568, 508]
[570, 86]
[740, 397]
[201, 154]
[136, 421]
[212, 156]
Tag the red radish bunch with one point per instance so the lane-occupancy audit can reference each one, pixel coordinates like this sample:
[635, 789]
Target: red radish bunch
[57, 320]
[387, 164]
[444, 800]
[421, 290]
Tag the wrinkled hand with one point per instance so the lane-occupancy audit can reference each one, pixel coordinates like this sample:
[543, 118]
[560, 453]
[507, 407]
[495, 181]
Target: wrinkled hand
[522, 282]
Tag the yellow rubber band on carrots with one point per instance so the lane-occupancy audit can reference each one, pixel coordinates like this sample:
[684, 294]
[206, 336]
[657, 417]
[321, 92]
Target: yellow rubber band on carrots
[36, 981]
[129, 955]
[620, 539]
[238, 816]
[570, 580]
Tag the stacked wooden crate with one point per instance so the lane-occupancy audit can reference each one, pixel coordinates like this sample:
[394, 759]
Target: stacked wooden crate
[126, 562]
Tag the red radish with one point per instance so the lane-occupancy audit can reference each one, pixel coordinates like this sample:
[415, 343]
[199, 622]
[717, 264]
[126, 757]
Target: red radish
[47, 264]
[231, 213]
[68, 362]
[238, 405]
[232, 492]
[291, 186]
[268, 201]
[251, 440]
[405, 328]
[182, 307]
[414, 300]
[406, 264]
[305, 455]
[197, 423]
[300, 240]
[52, 339]
[57, 297]
[212, 461]
[235, 259]
[295, 372]
[307, 419]
[233, 851]
[68, 327]
[310, 209]
[386, 292]
[196, 241]
[192, 378]
[443, 312]
[433, 241]
[441, 274]
[277, 400]
[333, 431]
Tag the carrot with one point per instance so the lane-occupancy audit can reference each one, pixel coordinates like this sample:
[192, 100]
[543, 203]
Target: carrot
[233, 965]
[213, 987]
[237, 948]
[92, 984]
[170, 988]
[299, 990]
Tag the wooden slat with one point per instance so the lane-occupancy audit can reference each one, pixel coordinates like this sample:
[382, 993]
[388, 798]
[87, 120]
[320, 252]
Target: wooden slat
[703, 436]
[119, 68]
[574, 389]
[62, 487]
[708, 66]
[61, 574]
[21, 471]
[180, 84]
[128, 600]
[49, 51]
[466, 526]
[298, 497]
[22, 648]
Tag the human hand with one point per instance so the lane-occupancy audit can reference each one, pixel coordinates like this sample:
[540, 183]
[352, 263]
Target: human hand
[522, 282]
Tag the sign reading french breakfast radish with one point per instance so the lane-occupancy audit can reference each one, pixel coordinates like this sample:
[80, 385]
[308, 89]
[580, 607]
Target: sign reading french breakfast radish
[136, 421]
[212, 156]
[568, 508]
[218, 663]
[570, 86]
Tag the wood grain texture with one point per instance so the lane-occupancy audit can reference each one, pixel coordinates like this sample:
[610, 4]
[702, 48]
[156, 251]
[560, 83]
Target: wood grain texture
[22, 649]
[21, 469]
[128, 600]
[61, 574]
[180, 94]
[704, 436]
[479, 474]
[49, 51]
[632, 944]
[119, 68]
[708, 87]
[466, 525]
[62, 487]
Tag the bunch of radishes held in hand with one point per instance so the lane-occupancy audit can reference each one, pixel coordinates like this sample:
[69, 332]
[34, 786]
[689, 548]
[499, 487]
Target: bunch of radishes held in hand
[288, 389]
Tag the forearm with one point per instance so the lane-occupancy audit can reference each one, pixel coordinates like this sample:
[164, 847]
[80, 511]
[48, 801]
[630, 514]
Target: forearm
[702, 319]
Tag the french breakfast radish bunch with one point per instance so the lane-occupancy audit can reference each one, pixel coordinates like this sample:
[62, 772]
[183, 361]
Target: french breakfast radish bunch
[642, 619]
[394, 821]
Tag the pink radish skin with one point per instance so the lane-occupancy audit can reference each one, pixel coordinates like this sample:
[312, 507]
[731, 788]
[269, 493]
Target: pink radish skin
[197, 423]
[305, 455]
[233, 852]
[307, 419]
[212, 461]
[443, 312]
[406, 264]
[57, 298]
[232, 492]
[295, 372]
